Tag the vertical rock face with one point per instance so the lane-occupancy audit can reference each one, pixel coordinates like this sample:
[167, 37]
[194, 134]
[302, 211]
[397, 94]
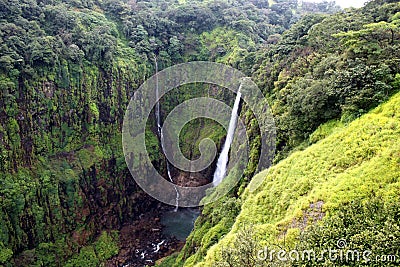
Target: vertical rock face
[63, 172]
[63, 178]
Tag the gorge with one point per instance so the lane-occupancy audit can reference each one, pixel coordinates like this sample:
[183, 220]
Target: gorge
[68, 70]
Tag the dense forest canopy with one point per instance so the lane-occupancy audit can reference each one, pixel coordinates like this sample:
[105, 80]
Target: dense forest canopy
[69, 68]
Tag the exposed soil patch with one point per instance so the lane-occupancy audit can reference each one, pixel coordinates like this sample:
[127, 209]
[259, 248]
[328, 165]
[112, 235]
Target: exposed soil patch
[310, 216]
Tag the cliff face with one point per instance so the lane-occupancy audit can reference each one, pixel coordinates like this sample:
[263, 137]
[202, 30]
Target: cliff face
[64, 175]
[65, 87]
[67, 74]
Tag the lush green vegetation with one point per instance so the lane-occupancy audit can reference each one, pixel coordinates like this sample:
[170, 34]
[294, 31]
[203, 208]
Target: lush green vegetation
[320, 75]
[68, 69]
[335, 67]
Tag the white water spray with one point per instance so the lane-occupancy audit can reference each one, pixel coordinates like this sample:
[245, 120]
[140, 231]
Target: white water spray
[161, 136]
[157, 246]
[222, 163]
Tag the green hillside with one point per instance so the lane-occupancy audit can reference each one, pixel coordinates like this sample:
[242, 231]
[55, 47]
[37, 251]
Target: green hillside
[69, 68]
[356, 167]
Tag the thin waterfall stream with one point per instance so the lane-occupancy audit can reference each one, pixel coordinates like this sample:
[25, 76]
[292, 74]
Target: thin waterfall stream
[160, 135]
[222, 162]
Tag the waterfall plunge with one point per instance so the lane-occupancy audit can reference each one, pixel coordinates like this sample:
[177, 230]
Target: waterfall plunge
[160, 135]
[224, 156]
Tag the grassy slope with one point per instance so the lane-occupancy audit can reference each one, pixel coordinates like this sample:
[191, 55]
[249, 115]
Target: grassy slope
[357, 161]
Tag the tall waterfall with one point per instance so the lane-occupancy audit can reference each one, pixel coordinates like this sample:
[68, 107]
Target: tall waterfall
[160, 135]
[224, 156]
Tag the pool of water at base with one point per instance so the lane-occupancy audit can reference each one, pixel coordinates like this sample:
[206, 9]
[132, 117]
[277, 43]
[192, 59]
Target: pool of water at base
[180, 223]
